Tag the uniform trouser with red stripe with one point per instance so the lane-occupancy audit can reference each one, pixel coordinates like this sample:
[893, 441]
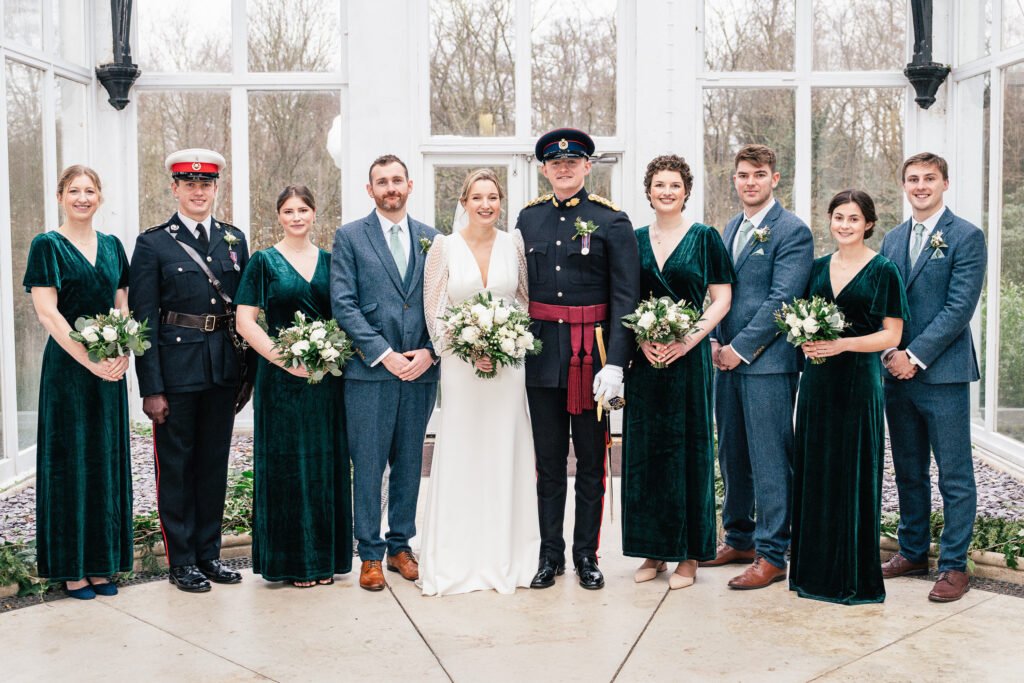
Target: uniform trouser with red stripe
[551, 428]
[191, 449]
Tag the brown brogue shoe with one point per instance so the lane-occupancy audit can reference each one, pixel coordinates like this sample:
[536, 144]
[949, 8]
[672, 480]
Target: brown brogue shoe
[726, 554]
[405, 564]
[898, 565]
[758, 575]
[371, 576]
[950, 586]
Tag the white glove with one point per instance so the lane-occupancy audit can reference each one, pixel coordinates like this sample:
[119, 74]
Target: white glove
[608, 384]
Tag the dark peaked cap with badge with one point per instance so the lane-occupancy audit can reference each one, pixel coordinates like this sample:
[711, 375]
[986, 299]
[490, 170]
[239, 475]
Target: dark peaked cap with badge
[564, 143]
[195, 164]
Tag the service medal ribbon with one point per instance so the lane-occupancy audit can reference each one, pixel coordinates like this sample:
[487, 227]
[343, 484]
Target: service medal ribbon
[586, 244]
[234, 259]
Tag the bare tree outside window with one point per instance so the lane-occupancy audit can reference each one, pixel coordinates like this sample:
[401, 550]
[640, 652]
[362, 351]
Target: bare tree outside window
[184, 36]
[860, 35]
[447, 188]
[299, 35]
[749, 35]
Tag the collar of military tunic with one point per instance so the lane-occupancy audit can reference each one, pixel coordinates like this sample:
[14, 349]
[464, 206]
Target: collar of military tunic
[571, 201]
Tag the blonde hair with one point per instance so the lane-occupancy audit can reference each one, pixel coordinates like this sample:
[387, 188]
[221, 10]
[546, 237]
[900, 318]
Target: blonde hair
[72, 172]
[480, 174]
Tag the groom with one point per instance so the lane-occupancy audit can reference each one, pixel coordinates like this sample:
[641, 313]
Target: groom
[377, 298]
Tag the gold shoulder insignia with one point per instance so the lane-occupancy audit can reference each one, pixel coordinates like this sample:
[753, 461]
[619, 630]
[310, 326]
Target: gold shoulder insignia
[227, 225]
[156, 227]
[598, 199]
[540, 200]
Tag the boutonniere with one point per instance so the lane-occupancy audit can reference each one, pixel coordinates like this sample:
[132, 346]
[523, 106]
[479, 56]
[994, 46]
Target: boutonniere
[936, 241]
[425, 244]
[762, 234]
[230, 238]
[583, 229]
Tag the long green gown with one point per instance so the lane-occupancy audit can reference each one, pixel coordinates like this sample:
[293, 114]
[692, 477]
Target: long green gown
[83, 458]
[302, 501]
[668, 489]
[840, 432]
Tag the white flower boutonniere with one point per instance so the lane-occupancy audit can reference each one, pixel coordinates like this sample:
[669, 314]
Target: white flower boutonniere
[425, 244]
[762, 234]
[936, 241]
[230, 238]
[584, 229]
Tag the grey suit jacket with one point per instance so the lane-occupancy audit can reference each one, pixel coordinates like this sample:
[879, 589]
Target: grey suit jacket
[375, 305]
[943, 290]
[768, 274]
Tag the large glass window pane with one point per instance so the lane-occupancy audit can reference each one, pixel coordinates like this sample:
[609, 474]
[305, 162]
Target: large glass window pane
[299, 35]
[734, 118]
[1010, 413]
[288, 146]
[857, 142]
[598, 182]
[1013, 22]
[23, 22]
[169, 121]
[71, 135]
[472, 67]
[27, 195]
[447, 188]
[860, 35]
[975, 29]
[185, 35]
[68, 23]
[749, 35]
[573, 61]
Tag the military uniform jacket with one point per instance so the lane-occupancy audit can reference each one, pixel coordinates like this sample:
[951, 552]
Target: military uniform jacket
[562, 275]
[165, 278]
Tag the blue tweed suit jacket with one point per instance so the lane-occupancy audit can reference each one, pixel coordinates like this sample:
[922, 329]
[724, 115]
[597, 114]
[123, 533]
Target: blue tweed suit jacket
[943, 289]
[375, 305]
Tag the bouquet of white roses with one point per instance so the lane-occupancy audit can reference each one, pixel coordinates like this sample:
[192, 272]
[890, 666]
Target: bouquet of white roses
[111, 335]
[484, 326]
[663, 321]
[319, 345]
[814, 320]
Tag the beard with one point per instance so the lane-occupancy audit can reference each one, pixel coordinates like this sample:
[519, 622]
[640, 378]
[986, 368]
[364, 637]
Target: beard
[394, 202]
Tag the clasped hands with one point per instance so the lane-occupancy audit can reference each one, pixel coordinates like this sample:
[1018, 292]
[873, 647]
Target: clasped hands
[664, 353]
[110, 369]
[824, 349]
[899, 365]
[723, 357]
[408, 365]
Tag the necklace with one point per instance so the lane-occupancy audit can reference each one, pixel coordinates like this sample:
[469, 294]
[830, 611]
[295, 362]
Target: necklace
[87, 243]
[658, 232]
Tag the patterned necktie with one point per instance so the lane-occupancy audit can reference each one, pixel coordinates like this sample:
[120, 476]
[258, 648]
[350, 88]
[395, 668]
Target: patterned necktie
[397, 251]
[916, 244]
[204, 241]
[741, 241]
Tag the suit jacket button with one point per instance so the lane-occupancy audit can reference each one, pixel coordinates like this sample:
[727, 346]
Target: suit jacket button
[209, 259]
[177, 339]
[407, 305]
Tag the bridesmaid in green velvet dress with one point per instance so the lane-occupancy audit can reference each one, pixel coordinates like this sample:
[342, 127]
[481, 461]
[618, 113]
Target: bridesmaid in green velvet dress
[83, 462]
[840, 424]
[668, 492]
[302, 504]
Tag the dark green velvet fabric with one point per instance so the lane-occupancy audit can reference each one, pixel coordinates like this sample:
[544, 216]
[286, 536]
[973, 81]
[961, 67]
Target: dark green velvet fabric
[83, 461]
[302, 502]
[668, 491]
[840, 431]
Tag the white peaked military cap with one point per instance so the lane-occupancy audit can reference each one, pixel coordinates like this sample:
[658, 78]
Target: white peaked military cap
[195, 164]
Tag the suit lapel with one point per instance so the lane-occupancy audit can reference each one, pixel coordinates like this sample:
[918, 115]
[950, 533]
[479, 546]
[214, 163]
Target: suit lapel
[418, 259]
[901, 249]
[183, 234]
[216, 234]
[730, 232]
[944, 224]
[769, 222]
[371, 226]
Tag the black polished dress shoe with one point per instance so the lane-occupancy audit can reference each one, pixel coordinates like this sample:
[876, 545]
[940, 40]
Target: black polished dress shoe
[217, 572]
[591, 577]
[188, 578]
[547, 570]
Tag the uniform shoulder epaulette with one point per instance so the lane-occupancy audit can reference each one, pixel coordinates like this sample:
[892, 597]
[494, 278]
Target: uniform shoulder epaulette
[156, 227]
[540, 200]
[228, 225]
[598, 199]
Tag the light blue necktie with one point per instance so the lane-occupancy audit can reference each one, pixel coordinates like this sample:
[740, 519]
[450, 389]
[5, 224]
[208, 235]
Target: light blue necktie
[916, 244]
[397, 251]
[745, 227]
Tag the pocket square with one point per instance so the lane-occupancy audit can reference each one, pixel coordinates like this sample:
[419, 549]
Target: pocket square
[938, 254]
[759, 252]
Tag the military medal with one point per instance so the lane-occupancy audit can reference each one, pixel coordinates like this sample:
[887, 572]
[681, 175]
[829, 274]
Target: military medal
[583, 230]
[234, 259]
[586, 244]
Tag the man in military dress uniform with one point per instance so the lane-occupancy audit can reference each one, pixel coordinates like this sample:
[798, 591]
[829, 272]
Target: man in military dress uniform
[584, 273]
[188, 380]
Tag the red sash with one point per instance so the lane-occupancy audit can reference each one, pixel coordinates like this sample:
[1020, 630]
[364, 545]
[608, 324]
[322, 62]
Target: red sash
[581, 321]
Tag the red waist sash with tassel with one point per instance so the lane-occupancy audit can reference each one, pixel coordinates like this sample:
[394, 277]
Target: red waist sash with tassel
[581, 320]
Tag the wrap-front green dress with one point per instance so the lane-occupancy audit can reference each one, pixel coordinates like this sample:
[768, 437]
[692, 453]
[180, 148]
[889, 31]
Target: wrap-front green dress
[83, 457]
[840, 438]
[668, 487]
[302, 501]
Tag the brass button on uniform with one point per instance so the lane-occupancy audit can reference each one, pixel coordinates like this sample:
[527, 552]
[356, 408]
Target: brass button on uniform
[559, 295]
[561, 218]
[560, 321]
[177, 339]
[558, 243]
[209, 259]
[558, 267]
[179, 269]
[213, 301]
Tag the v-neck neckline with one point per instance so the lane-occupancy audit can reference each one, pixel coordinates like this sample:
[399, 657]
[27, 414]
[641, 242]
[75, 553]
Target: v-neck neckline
[856, 276]
[296, 270]
[484, 277]
[650, 244]
[92, 264]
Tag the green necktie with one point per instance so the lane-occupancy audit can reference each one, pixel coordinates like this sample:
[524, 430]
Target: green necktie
[745, 227]
[397, 251]
[916, 244]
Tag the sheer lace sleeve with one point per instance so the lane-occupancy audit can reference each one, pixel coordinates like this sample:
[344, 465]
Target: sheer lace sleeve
[523, 288]
[435, 287]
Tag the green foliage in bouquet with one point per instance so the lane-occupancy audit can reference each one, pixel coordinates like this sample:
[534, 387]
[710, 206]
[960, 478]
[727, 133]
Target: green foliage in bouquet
[319, 345]
[815, 320]
[484, 326]
[663, 321]
[111, 335]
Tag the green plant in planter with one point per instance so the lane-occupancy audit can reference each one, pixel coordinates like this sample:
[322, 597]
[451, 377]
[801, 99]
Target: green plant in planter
[18, 566]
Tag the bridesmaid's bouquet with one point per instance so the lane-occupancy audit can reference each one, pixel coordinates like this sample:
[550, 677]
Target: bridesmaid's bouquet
[319, 345]
[814, 320]
[111, 335]
[484, 326]
[663, 321]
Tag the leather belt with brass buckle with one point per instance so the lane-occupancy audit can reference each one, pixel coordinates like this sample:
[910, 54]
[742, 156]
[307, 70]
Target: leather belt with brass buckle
[206, 323]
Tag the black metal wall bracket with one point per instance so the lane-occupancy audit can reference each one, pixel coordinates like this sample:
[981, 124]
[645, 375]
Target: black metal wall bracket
[119, 76]
[925, 75]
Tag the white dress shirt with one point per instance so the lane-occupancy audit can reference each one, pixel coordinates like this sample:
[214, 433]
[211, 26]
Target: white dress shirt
[403, 239]
[193, 226]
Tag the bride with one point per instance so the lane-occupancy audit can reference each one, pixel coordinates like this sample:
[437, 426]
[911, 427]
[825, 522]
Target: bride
[481, 527]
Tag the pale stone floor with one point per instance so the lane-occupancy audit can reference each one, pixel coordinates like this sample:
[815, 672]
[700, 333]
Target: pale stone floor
[626, 632]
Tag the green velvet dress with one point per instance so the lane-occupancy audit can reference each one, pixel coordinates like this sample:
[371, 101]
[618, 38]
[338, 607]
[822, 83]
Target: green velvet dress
[668, 488]
[83, 459]
[840, 432]
[302, 500]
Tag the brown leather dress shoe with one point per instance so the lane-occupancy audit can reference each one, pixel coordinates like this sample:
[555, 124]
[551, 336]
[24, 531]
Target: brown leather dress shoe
[950, 586]
[405, 564]
[726, 554]
[758, 575]
[897, 565]
[371, 576]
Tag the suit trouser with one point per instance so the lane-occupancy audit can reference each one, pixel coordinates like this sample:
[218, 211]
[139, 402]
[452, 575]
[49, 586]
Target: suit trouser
[551, 425]
[754, 414]
[923, 418]
[191, 452]
[386, 425]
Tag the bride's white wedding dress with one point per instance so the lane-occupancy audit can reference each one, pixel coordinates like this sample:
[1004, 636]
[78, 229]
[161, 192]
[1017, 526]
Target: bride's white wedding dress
[481, 527]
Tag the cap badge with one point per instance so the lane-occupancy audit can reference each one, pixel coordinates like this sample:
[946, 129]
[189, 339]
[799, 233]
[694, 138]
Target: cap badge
[196, 165]
[563, 144]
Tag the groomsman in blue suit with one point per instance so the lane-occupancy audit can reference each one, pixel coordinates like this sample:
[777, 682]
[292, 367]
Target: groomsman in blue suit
[390, 386]
[927, 397]
[756, 382]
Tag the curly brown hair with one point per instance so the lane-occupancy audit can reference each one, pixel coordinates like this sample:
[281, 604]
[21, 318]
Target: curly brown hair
[668, 162]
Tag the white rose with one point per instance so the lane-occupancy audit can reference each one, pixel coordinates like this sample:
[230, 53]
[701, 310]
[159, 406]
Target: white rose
[319, 344]
[300, 347]
[109, 333]
[792, 320]
[645, 321]
[91, 333]
[477, 309]
[329, 354]
[508, 346]
[810, 325]
[132, 327]
[318, 323]
[525, 341]
[796, 332]
[317, 334]
[115, 313]
[501, 314]
[486, 319]
[470, 334]
[672, 315]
